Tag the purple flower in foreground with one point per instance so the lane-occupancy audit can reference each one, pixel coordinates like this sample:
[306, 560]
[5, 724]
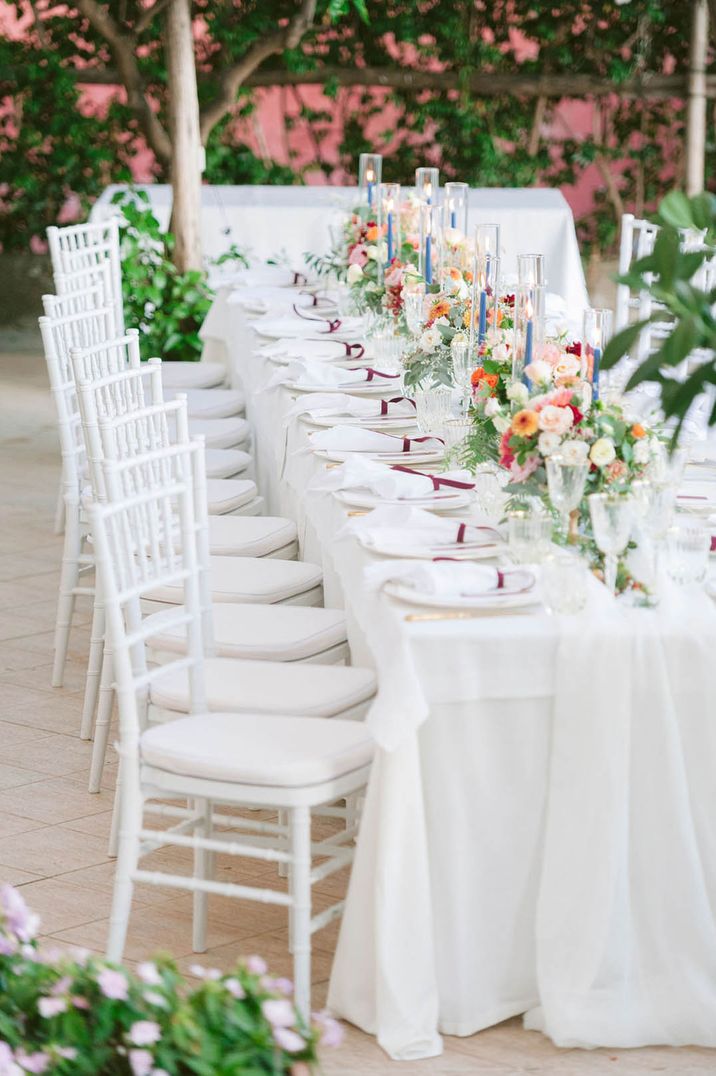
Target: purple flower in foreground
[49, 1007]
[141, 1062]
[148, 972]
[235, 988]
[113, 984]
[288, 1040]
[279, 1012]
[157, 1000]
[256, 965]
[330, 1030]
[8, 1067]
[36, 1062]
[68, 1053]
[144, 1033]
[284, 986]
[21, 921]
[8, 945]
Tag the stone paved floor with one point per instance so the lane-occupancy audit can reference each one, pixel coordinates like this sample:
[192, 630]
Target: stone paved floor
[53, 834]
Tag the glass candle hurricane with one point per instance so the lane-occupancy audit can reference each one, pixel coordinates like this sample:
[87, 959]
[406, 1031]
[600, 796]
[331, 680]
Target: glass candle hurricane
[596, 331]
[370, 168]
[487, 240]
[429, 252]
[529, 328]
[427, 185]
[455, 207]
[390, 219]
[485, 290]
[530, 270]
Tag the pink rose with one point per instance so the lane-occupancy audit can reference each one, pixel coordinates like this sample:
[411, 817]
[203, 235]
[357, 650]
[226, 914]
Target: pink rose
[520, 471]
[550, 353]
[555, 419]
[393, 277]
[359, 255]
[561, 397]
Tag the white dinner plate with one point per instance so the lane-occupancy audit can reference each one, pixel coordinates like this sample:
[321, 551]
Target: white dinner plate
[439, 501]
[353, 388]
[519, 590]
[457, 550]
[335, 456]
[366, 422]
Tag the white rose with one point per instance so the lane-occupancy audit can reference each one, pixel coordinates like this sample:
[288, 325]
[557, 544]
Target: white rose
[372, 252]
[555, 419]
[539, 372]
[501, 423]
[568, 366]
[355, 273]
[602, 451]
[383, 252]
[492, 407]
[429, 340]
[518, 393]
[548, 443]
[501, 353]
[642, 452]
[574, 451]
[452, 236]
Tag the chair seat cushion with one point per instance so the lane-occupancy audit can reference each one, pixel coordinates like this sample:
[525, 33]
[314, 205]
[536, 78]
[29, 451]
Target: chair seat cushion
[211, 403]
[263, 632]
[254, 749]
[268, 687]
[178, 376]
[226, 462]
[221, 432]
[250, 536]
[228, 494]
[250, 579]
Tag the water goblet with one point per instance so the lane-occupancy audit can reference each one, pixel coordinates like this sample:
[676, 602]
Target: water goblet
[454, 432]
[687, 551]
[432, 408]
[529, 535]
[612, 516]
[462, 367]
[564, 582]
[566, 481]
[414, 307]
[489, 494]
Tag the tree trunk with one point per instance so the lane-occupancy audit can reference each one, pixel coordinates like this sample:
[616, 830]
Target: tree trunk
[187, 152]
[696, 116]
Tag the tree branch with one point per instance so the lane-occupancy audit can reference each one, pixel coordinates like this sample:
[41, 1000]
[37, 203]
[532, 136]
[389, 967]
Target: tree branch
[122, 48]
[148, 15]
[288, 37]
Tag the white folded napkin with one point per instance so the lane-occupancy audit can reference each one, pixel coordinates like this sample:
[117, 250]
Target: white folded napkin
[443, 579]
[277, 301]
[356, 439]
[309, 372]
[398, 528]
[384, 481]
[326, 404]
[277, 276]
[313, 326]
[324, 350]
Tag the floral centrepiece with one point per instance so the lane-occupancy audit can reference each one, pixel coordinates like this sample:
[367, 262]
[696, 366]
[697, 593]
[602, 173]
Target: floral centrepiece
[81, 1015]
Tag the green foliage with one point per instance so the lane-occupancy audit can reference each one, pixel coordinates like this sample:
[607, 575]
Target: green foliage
[667, 274]
[168, 307]
[85, 1017]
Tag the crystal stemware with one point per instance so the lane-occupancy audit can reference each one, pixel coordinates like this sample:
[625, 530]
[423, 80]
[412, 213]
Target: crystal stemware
[529, 535]
[432, 409]
[564, 582]
[612, 517]
[566, 481]
[687, 551]
[462, 368]
[414, 305]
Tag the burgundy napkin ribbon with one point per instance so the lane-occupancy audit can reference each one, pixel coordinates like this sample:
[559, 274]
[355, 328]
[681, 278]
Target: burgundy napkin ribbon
[333, 325]
[316, 300]
[713, 543]
[408, 441]
[351, 348]
[377, 373]
[299, 278]
[456, 560]
[451, 483]
[385, 404]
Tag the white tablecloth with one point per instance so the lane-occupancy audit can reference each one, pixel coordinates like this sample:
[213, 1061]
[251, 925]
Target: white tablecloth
[291, 221]
[506, 862]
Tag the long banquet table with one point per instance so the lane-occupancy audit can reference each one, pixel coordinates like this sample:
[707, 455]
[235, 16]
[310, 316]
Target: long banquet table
[288, 221]
[519, 756]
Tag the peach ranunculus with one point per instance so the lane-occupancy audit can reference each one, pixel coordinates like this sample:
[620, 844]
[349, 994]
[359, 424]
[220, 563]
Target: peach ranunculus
[616, 470]
[439, 310]
[550, 353]
[525, 423]
[555, 419]
[638, 431]
[371, 235]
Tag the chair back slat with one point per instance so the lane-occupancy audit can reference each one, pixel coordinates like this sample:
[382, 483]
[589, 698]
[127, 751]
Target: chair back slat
[87, 247]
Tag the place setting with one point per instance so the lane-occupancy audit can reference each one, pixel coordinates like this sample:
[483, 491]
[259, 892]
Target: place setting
[406, 531]
[309, 376]
[340, 442]
[325, 410]
[363, 483]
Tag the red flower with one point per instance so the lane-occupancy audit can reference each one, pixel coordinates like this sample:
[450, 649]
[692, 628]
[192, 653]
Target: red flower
[506, 457]
[509, 300]
[574, 349]
[578, 416]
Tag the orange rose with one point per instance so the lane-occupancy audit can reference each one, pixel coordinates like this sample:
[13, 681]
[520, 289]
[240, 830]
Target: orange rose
[638, 431]
[468, 276]
[525, 423]
[491, 380]
[477, 376]
[372, 234]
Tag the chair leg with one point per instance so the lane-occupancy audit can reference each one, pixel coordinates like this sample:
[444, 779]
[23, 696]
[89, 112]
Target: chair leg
[300, 924]
[130, 809]
[69, 578]
[283, 868]
[202, 869]
[113, 845]
[94, 669]
[59, 524]
[102, 725]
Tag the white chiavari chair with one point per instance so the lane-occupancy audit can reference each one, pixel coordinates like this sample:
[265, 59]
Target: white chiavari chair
[146, 540]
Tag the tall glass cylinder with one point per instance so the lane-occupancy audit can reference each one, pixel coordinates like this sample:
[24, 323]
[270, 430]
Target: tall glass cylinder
[429, 252]
[485, 291]
[529, 328]
[370, 168]
[455, 207]
[597, 329]
[427, 185]
[530, 270]
[487, 240]
[390, 217]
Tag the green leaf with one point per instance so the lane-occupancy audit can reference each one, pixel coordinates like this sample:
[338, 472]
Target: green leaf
[676, 210]
[621, 344]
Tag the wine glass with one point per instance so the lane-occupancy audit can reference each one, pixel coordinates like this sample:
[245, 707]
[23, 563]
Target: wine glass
[432, 408]
[529, 535]
[654, 504]
[414, 306]
[462, 368]
[612, 518]
[564, 582]
[566, 482]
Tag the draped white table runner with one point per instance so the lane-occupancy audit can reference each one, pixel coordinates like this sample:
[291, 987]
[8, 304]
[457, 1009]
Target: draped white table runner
[538, 834]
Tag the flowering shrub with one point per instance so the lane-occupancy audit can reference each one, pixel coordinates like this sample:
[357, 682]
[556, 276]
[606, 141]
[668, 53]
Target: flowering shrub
[81, 1015]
